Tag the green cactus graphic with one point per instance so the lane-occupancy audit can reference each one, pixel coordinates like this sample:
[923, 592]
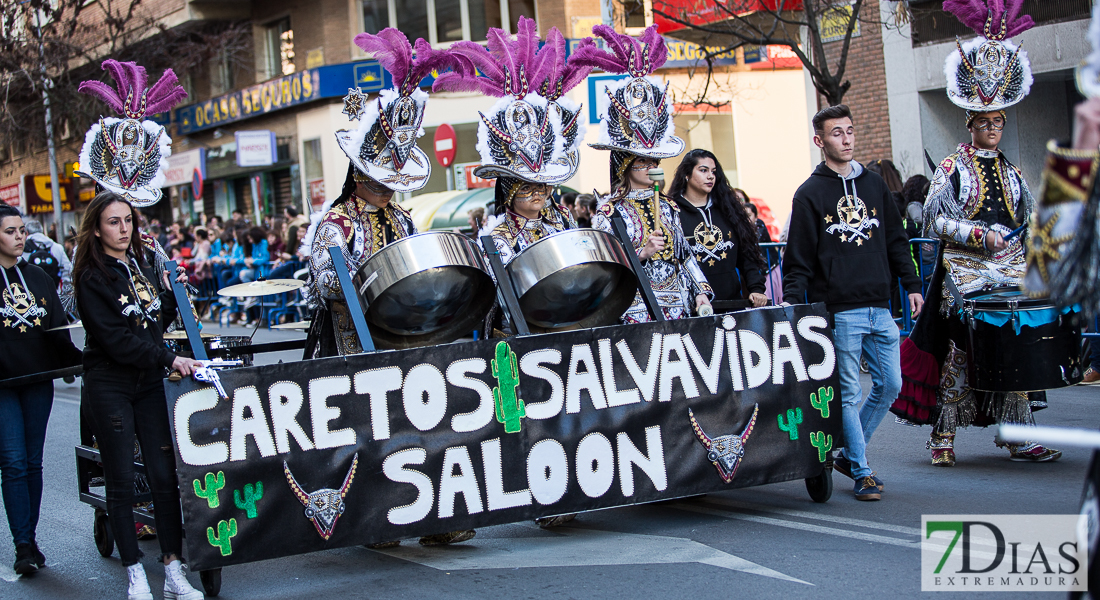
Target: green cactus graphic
[509, 408]
[794, 419]
[213, 485]
[252, 495]
[821, 400]
[822, 442]
[223, 541]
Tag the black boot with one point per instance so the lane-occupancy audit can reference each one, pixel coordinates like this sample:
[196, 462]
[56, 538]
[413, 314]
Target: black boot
[39, 558]
[24, 559]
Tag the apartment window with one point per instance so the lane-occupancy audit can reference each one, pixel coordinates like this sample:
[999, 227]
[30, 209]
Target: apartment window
[221, 74]
[376, 15]
[280, 48]
[634, 13]
[444, 21]
[519, 8]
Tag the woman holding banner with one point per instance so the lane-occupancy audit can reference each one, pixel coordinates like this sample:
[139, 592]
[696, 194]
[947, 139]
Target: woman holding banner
[124, 316]
[29, 308]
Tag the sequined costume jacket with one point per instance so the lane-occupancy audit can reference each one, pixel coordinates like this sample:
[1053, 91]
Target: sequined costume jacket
[359, 229]
[512, 232]
[674, 273]
[972, 192]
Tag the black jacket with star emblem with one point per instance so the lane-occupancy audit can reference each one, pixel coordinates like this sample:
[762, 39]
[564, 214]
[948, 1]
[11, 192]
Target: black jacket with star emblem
[846, 242]
[117, 335]
[27, 349]
[732, 273]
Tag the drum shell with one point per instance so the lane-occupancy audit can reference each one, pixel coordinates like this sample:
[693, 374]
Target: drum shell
[1042, 357]
[216, 347]
[429, 288]
[577, 278]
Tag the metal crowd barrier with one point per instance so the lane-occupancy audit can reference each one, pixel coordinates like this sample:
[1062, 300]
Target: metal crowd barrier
[923, 251]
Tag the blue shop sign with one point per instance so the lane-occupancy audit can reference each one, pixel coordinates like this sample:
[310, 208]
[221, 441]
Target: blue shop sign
[330, 81]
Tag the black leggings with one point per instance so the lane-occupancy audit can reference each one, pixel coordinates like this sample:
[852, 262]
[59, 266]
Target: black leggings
[122, 402]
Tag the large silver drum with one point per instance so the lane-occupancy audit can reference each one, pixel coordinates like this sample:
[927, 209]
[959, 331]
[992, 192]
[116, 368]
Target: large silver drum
[577, 278]
[428, 288]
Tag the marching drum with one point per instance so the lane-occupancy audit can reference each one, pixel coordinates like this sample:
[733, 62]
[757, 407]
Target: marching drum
[428, 288]
[1020, 344]
[576, 278]
[217, 346]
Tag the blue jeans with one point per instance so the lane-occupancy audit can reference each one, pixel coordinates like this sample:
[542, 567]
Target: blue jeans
[869, 332]
[24, 413]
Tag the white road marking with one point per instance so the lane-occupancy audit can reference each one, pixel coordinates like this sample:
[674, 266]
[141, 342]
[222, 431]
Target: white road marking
[804, 514]
[856, 535]
[574, 547]
[7, 574]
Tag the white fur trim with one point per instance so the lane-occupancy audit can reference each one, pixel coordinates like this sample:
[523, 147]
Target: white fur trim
[490, 224]
[557, 151]
[350, 141]
[146, 195]
[667, 145]
[951, 69]
[1088, 74]
[582, 127]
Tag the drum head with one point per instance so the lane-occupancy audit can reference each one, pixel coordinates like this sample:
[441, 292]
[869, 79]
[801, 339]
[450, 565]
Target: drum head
[429, 288]
[578, 278]
[1001, 298]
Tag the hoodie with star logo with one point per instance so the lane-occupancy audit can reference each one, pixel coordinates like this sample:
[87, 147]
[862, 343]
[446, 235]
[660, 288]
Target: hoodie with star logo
[29, 306]
[846, 242]
[124, 316]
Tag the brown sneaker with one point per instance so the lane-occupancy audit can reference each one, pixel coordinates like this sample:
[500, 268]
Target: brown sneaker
[1092, 376]
[867, 489]
[383, 545]
[452, 537]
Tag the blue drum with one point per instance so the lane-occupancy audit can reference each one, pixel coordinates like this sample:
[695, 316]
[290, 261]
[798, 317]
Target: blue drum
[1020, 344]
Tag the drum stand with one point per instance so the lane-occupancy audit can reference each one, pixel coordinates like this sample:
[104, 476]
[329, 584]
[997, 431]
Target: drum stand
[356, 305]
[506, 293]
[643, 279]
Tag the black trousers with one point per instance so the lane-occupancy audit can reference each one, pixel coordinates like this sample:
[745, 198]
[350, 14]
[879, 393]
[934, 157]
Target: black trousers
[123, 402]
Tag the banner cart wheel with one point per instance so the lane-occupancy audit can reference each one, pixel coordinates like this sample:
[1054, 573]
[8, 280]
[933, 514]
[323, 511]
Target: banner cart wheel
[101, 531]
[211, 581]
[820, 487]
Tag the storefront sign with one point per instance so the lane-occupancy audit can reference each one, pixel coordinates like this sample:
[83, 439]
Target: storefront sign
[10, 195]
[317, 192]
[291, 90]
[465, 178]
[329, 453]
[596, 86]
[833, 23]
[39, 194]
[182, 166]
[256, 148]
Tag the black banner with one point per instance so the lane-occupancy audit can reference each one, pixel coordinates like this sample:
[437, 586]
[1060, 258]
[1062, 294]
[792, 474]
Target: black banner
[337, 452]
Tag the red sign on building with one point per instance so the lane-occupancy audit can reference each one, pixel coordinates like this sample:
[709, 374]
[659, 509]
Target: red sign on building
[40, 195]
[10, 195]
[473, 181]
[317, 192]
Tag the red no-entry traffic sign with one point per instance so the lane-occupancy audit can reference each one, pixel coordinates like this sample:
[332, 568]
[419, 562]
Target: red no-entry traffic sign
[445, 144]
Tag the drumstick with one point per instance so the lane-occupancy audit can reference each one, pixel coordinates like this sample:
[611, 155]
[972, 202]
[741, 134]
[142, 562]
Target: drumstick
[657, 175]
[1015, 232]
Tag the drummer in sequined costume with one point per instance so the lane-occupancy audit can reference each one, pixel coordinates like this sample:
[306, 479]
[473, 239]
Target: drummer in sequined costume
[528, 140]
[975, 200]
[636, 125]
[364, 219]
[384, 160]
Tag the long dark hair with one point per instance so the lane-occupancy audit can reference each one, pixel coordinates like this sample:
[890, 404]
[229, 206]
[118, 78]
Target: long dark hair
[723, 197]
[89, 250]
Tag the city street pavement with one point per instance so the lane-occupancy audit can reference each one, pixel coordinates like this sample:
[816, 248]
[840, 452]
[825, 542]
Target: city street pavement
[764, 542]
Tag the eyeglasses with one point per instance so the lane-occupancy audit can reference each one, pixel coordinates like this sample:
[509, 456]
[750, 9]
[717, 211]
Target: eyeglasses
[528, 191]
[997, 124]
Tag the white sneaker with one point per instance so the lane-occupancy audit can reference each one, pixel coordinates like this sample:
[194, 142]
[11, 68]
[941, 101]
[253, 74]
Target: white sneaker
[176, 586]
[139, 585]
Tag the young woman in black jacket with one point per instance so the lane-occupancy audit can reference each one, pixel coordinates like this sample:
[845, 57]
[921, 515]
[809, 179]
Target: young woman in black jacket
[718, 230]
[29, 306]
[124, 366]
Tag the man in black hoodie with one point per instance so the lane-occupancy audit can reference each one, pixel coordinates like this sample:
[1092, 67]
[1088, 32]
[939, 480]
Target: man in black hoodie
[846, 244]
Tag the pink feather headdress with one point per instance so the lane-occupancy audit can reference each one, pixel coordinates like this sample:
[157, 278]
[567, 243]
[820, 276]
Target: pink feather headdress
[636, 57]
[993, 19]
[132, 100]
[407, 64]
